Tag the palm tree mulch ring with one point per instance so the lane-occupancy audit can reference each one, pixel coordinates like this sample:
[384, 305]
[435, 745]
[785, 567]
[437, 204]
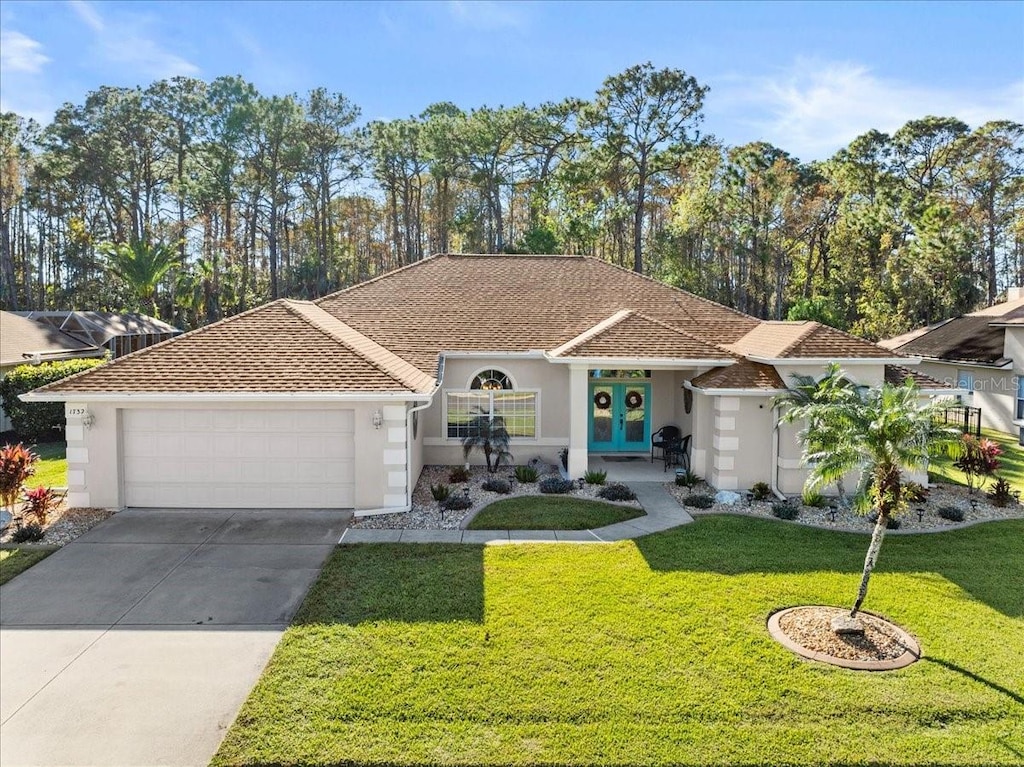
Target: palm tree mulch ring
[807, 631]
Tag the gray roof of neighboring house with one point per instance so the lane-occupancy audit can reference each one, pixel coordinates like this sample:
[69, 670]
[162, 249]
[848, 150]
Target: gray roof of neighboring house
[976, 337]
[22, 338]
[100, 327]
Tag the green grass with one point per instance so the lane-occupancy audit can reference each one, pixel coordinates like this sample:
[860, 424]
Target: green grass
[533, 513]
[643, 652]
[15, 561]
[1011, 462]
[52, 468]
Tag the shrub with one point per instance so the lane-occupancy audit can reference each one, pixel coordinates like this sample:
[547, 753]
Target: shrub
[616, 491]
[813, 499]
[978, 460]
[760, 492]
[441, 492]
[497, 485]
[458, 474]
[687, 479]
[1000, 494]
[595, 477]
[914, 492]
[17, 464]
[457, 502]
[38, 421]
[29, 533]
[699, 501]
[39, 502]
[892, 524]
[785, 510]
[526, 474]
[952, 513]
[555, 485]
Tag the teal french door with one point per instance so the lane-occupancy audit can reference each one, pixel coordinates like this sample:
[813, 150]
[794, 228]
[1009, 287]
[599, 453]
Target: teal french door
[620, 417]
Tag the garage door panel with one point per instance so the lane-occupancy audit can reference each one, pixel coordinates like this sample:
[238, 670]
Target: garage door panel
[239, 458]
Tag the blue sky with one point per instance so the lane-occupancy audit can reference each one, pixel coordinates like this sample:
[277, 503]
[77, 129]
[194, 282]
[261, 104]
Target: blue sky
[805, 76]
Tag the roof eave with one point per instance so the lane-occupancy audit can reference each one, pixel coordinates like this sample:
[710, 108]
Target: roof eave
[646, 362]
[214, 397]
[733, 392]
[1000, 364]
[841, 360]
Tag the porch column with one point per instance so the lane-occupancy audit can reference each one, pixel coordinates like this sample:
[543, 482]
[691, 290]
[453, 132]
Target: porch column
[578, 410]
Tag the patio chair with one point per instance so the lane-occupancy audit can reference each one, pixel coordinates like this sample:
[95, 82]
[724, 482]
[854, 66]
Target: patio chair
[662, 437]
[677, 453]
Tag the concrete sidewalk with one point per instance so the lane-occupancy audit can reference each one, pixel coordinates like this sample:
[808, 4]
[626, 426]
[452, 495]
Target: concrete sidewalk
[662, 513]
[137, 643]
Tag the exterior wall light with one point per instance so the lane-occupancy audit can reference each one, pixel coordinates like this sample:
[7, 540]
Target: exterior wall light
[378, 419]
[88, 420]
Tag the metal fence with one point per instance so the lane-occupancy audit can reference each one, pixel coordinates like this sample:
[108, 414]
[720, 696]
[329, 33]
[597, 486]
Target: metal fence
[967, 418]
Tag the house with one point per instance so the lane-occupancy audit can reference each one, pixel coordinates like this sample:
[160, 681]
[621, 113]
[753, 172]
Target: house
[119, 333]
[340, 402]
[982, 353]
[23, 341]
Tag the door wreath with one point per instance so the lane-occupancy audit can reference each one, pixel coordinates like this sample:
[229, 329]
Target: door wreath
[603, 400]
[634, 400]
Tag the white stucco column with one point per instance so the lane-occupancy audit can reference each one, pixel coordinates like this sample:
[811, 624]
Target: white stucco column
[578, 407]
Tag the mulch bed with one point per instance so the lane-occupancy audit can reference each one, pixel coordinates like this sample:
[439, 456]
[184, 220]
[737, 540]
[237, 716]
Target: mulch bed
[63, 524]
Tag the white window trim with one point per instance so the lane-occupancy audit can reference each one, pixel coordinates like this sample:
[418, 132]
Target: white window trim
[469, 383]
[513, 440]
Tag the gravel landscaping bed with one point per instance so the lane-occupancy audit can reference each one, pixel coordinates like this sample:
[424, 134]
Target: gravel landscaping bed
[939, 495]
[811, 627]
[426, 515]
[64, 525]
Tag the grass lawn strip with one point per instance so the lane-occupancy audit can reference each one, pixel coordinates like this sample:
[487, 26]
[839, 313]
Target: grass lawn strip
[644, 652]
[550, 513]
[52, 467]
[1011, 462]
[16, 561]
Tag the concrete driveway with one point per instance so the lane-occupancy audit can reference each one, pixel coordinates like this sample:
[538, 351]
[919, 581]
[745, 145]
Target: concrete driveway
[137, 644]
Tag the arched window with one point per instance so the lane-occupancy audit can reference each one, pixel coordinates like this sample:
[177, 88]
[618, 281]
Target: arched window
[492, 393]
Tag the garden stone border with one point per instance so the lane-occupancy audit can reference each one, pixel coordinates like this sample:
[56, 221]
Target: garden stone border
[464, 524]
[912, 654]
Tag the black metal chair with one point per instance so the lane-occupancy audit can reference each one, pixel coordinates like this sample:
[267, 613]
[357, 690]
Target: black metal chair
[678, 453]
[662, 437]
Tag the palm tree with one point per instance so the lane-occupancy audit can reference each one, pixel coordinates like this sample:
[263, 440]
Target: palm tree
[141, 264]
[879, 433]
[487, 433]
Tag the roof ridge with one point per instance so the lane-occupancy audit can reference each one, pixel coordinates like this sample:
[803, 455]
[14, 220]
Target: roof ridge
[682, 332]
[386, 361]
[851, 335]
[592, 332]
[812, 326]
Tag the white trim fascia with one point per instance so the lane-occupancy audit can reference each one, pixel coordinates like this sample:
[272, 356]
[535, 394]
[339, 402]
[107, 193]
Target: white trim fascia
[777, 361]
[739, 392]
[206, 397]
[532, 354]
[1008, 365]
[654, 363]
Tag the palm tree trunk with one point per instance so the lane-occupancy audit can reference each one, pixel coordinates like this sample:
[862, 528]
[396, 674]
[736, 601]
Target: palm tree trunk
[870, 560]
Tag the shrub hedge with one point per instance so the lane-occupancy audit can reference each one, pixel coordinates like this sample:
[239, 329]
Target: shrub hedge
[38, 421]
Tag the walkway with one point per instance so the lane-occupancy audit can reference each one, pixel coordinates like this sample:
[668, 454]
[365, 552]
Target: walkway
[137, 643]
[662, 513]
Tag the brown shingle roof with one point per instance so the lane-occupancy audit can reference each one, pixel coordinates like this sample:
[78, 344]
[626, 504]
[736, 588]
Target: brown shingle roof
[279, 347]
[743, 375]
[20, 336]
[629, 334]
[804, 338]
[897, 375]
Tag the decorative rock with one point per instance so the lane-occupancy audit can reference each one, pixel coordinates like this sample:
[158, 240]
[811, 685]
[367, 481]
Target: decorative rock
[727, 497]
[844, 624]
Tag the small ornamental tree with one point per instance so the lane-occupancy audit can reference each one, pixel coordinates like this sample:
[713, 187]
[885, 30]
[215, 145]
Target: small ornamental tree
[488, 434]
[978, 460]
[17, 464]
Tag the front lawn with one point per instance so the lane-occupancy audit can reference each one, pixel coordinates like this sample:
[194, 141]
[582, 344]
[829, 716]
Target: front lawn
[1011, 462]
[52, 467]
[644, 652]
[16, 561]
[546, 513]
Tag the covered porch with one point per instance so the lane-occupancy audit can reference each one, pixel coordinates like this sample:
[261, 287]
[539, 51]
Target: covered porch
[635, 468]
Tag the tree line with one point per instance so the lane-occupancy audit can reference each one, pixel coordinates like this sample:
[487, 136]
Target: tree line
[196, 200]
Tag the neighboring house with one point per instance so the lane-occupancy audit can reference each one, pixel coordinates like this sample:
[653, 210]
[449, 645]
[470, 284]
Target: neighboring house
[982, 353]
[23, 342]
[340, 402]
[121, 334]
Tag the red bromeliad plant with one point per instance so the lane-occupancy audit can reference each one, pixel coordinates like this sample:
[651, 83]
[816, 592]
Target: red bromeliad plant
[39, 502]
[978, 460]
[17, 464]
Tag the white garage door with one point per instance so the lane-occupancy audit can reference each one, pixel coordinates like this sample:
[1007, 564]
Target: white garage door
[276, 459]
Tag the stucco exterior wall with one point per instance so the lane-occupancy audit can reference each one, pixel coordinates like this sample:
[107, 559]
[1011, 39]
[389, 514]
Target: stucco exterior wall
[995, 391]
[702, 429]
[95, 466]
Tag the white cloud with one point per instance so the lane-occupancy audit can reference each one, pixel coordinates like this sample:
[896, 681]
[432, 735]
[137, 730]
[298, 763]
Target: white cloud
[814, 107]
[486, 14]
[20, 53]
[125, 42]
